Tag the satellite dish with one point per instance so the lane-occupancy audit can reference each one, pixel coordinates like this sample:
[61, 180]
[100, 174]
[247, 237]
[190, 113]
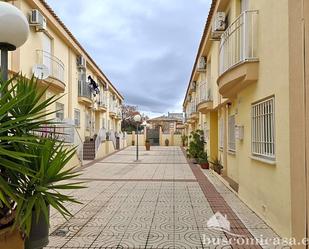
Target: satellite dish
[40, 71]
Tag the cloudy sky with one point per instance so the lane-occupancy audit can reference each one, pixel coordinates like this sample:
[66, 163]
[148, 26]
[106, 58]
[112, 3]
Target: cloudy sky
[145, 47]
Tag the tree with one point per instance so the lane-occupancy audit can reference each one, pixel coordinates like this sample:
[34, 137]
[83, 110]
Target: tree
[128, 113]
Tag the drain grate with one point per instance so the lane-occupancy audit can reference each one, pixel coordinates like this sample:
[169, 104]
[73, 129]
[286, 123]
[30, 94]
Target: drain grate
[61, 232]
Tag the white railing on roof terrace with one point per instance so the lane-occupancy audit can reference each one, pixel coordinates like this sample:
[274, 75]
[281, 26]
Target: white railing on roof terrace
[239, 42]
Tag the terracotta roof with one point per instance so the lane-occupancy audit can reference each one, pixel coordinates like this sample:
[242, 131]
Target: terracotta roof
[46, 5]
[207, 26]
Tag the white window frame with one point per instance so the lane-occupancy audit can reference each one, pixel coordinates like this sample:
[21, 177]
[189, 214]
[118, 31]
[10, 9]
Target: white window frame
[231, 134]
[263, 129]
[77, 117]
[59, 111]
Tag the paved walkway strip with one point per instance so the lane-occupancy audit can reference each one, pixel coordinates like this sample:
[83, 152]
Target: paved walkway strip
[136, 180]
[218, 204]
[160, 202]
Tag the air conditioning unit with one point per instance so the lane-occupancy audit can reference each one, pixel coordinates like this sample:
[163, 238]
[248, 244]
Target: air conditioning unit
[81, 62]
[219, 25]
[202, 63]
[37, 20]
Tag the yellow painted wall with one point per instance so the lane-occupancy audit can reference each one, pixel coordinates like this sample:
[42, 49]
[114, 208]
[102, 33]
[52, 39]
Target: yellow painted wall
[264, 187]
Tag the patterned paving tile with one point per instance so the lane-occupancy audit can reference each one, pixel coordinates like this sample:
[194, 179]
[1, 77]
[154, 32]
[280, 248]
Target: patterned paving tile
[157, 203]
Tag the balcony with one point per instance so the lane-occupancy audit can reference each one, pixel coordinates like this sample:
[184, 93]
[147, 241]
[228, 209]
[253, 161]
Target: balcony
[102, 103]
[84, 92]
[193, 114]
[112, 110]
[118, 114]
[205, 103]
[238, 55]
[55, 67]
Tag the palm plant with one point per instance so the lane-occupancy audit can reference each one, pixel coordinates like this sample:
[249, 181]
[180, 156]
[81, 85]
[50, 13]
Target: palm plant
[30, 165]
[39, 190]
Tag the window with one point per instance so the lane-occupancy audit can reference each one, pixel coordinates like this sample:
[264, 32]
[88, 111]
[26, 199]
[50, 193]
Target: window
[77, 117]
[221, 135]
[232, 139]
[109, 125]
[47, 48]
[244, 5]
[88, 121]
[60, 111]
[263, 128]
[103, 123]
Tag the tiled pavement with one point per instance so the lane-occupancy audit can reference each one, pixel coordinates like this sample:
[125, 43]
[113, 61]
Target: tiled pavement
[159, 202]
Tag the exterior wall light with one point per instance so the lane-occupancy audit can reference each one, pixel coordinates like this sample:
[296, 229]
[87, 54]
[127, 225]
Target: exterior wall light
[14, 32]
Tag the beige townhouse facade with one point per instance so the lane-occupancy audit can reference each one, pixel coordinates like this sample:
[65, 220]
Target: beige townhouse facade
[247, 93]
[90, 103]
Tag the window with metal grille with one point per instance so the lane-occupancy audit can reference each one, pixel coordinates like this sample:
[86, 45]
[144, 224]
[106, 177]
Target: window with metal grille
[60, 111]
[221, 135]
[77, 117]
[263, 128]
[232, 138]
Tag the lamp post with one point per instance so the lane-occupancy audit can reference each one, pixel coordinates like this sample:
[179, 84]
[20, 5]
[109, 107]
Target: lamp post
[137, 118]
[14, 31]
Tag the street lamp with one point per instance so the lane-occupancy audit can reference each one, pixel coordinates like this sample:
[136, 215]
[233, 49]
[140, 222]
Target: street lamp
[14, 31]
[137, 118]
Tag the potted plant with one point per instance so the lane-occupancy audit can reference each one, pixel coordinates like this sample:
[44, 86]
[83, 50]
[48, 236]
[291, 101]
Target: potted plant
[167, 142]
[216, 165]
[28, 156]
[42, 189]
[147, 144]
[203, 160]
[196, 145]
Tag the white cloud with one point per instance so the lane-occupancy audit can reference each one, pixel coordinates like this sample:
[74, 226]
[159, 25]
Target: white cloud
[146, 48]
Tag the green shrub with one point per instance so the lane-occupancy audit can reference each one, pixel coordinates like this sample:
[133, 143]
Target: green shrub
[196, 145]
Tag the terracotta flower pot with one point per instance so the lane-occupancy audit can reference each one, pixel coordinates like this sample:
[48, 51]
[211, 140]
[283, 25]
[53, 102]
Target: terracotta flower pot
[11, 239]
[147, 146]
[204, 165]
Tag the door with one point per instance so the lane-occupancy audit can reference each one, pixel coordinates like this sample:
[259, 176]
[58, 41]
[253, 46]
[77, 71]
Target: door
[97, 122]
[244, 5]
[153, 135]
